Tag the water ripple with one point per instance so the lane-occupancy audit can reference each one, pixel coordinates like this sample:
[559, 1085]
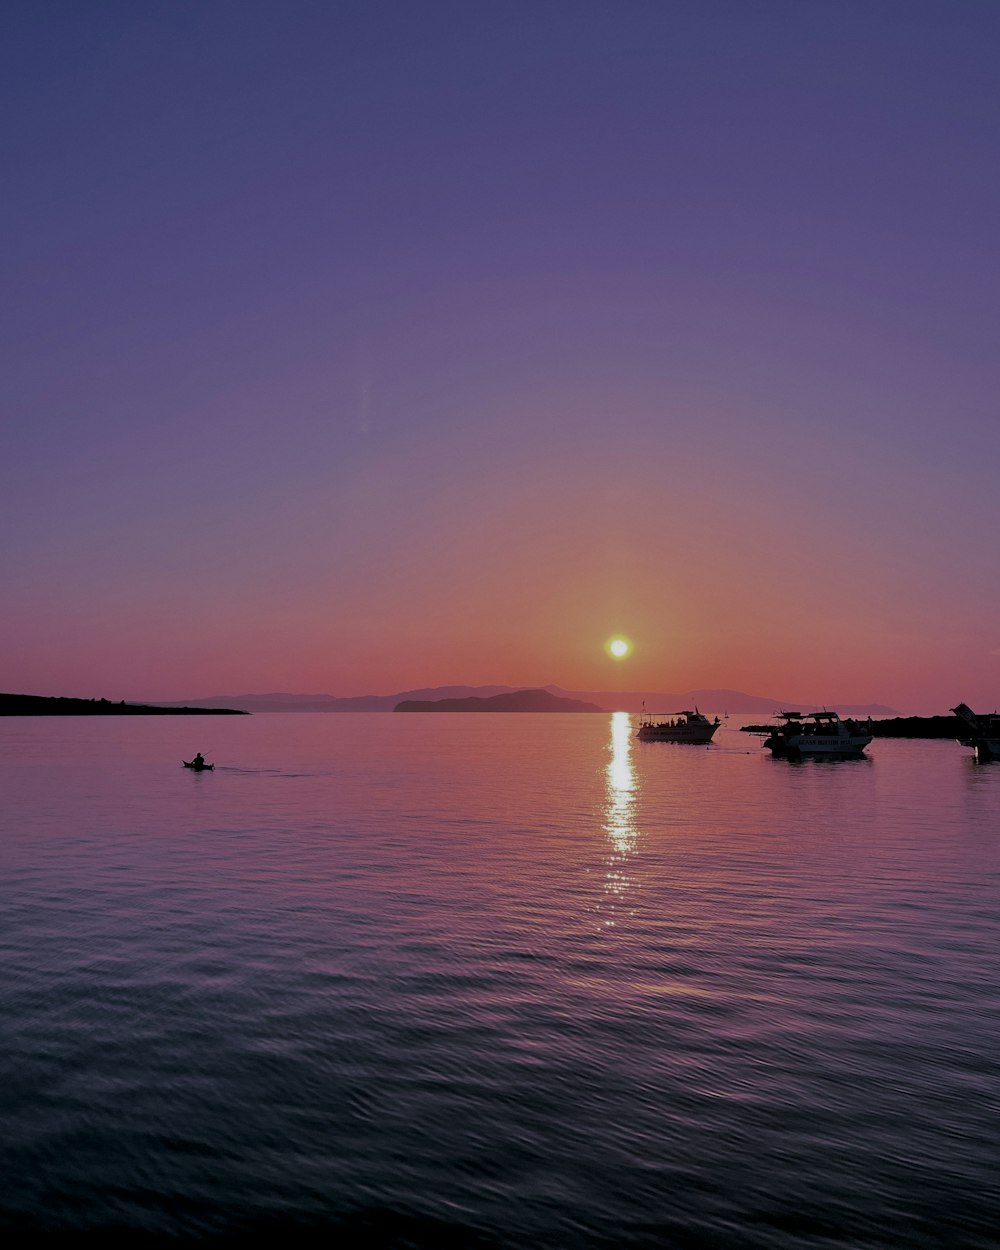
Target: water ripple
[497, 982]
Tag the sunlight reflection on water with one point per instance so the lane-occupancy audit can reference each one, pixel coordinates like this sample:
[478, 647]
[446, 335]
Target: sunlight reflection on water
[620, 813]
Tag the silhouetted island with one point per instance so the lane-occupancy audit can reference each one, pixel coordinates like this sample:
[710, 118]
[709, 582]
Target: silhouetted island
[737, 702]
[40, 705]
[518, 701]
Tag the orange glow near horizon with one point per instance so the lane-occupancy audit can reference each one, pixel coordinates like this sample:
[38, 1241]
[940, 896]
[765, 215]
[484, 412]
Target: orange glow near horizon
[499, 421]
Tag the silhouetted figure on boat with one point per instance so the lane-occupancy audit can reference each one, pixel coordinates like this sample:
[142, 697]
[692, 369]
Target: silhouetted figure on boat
[198, 763]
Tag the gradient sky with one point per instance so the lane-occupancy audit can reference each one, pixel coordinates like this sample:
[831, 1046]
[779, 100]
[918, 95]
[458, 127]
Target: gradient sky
[354, 347]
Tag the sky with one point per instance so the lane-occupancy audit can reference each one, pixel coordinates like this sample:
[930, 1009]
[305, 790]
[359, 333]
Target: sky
[358, 347]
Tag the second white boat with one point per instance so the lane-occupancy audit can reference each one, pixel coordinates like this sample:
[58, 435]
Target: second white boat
[817, 735]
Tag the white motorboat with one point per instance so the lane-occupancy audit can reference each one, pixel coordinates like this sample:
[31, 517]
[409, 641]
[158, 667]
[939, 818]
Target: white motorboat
[817, 735]
[983, 732]
[689, 726]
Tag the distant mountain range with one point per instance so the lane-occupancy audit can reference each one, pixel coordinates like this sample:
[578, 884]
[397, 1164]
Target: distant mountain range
[518, 701]
[714, 701]
[735, 701]
[331, 703]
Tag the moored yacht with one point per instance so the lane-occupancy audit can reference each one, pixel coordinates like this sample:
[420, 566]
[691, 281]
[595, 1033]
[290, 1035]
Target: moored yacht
[983, 732]
[690, 726]
[817, 734]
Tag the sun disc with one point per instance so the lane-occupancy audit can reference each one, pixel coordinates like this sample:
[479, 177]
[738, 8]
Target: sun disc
[618, 648]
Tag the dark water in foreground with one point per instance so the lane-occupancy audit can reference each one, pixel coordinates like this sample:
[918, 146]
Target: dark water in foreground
[498, 981]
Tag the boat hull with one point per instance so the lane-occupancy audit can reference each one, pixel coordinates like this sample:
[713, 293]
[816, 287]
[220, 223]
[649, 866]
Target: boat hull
[982, 733]
[690, 727]
[818, 735]
[696, 737]
[833, 750]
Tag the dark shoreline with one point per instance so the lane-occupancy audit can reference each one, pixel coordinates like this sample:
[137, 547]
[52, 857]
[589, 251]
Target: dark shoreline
[40, 705]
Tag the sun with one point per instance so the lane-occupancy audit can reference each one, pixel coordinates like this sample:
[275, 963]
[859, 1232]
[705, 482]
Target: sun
[618, 648]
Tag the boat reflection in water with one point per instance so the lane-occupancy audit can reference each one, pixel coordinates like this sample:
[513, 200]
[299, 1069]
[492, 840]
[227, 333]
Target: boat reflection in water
[619, 820]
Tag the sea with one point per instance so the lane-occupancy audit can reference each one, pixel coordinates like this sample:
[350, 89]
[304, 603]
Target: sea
[497, 981]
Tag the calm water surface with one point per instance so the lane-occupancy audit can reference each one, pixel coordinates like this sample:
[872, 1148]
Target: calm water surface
[498, 981]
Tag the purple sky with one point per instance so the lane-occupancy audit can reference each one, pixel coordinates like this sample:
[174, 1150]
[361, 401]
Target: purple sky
[356, 347]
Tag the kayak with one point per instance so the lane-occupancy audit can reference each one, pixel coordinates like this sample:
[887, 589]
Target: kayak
[198, 768]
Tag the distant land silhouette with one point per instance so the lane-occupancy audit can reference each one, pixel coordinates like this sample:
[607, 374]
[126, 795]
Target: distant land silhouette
[518, 701]
[735, 701]
[714, 700]
[40, 705]
[331, 703]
